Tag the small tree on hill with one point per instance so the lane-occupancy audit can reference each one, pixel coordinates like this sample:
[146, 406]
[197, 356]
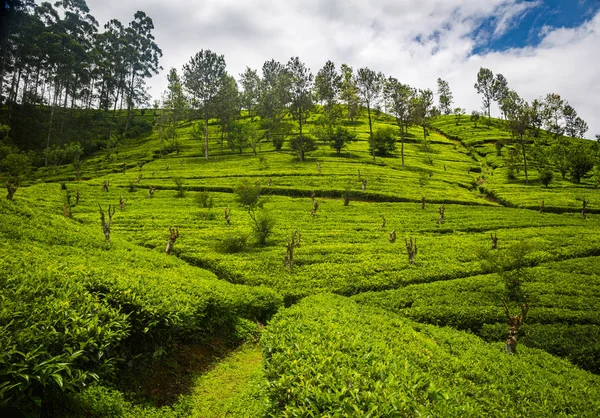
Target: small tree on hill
[301, 106]
[384, 141]
[369, 86]
[519, 120]
[107, 223]
[11, 187]
[511, 265]
[422, 111]
[249, 197]
[411, 249]
[581, 162]
[484, 86]
[399, 100]
[341, 138]
[302, 145]
[173, 235]
[546, 176]
[349, 93]
[475, 118]
[328, 83]
[203, 76]
[458, 114]
[445, 96]
[514, 322]
[292, 243]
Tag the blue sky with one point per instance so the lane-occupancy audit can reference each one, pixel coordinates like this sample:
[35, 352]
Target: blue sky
[527, 29]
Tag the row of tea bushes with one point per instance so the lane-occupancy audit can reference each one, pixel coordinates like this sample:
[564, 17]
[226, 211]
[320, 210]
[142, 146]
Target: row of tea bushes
[75, 309]
[328, 356]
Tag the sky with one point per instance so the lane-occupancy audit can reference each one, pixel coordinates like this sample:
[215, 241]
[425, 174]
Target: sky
[540, 46]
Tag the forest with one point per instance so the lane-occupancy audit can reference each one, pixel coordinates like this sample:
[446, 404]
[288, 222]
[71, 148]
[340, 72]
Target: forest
[283, 243]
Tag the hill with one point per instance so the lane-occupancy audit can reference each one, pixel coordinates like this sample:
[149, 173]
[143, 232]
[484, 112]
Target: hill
[97, 326]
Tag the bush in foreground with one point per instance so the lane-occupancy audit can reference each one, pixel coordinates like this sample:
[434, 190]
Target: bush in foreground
[330, 356]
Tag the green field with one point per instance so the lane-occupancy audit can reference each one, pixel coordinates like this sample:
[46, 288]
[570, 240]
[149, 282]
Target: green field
[89, 328]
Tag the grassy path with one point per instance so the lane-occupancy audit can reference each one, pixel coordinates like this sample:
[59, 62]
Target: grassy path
[232, 388]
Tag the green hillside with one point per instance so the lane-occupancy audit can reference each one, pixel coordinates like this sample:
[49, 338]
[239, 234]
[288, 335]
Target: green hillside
[91, 328]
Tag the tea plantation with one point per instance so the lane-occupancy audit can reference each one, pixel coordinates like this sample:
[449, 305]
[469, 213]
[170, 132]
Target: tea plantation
[290, 289]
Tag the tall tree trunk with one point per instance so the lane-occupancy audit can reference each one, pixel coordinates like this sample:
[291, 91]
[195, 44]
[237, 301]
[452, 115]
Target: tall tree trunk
[524, 160]
[301, 139]
[129, 102]
[13, 85]
[64, 113]
[37, 83]
[50, 124]
[222, 138]
[25, 88]
[206, 133]
[402, 143]
[371, 131]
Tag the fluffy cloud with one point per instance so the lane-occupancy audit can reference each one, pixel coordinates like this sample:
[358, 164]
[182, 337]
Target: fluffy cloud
[416, 41]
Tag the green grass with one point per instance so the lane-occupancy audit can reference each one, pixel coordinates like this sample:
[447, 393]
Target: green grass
[232, 388]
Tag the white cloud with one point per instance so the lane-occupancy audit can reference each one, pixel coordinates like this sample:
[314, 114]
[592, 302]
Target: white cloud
[510, 14]
[379, 34]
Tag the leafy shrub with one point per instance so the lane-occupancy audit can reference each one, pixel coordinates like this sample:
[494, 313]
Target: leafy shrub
[579, 343]
[74, 312]
[205, 200]
[233, 244]
[384, 140]
[138, 127]
[248, 195]
[180, 187]
[581, 163]
[546, 177]
[510, 264]
[263, 226]
[475, 118]
[306, 144]
[55, 336]
[341, 138]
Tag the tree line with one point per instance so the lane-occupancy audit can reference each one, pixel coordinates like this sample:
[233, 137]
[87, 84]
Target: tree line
[57, 68]
[62, 81]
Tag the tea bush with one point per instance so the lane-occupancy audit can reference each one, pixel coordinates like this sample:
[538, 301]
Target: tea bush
[328, 356]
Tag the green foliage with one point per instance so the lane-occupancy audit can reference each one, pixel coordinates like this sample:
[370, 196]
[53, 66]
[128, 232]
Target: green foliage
[341, 138]
[562, 296]
[279, 133]
[263, 226]
[303, 144]
[77, 310]
[55, 335]
[546, 177]
[16, 164]
[328, 356]
[475, 118]
[179, 186]
[205, 200]
[384, 140]
[581, 163]
[510, 264]
[232, 244]
[458, 114]
[248, 195]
